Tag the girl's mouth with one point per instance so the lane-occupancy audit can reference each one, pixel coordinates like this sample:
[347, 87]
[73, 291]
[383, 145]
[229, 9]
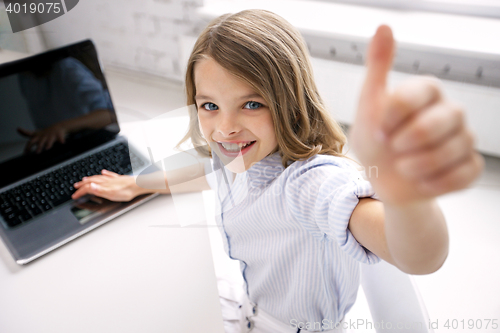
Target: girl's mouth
[234, 149]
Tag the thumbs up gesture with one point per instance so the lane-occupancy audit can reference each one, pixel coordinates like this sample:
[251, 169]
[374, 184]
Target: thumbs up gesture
[413, 142]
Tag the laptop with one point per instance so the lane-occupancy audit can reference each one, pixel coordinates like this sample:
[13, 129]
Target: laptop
[57, 125]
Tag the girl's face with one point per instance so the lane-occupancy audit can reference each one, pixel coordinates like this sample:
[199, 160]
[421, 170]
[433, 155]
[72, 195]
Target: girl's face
[234, 119]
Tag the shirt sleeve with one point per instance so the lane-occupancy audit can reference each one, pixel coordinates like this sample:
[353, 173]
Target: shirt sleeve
[322, 195]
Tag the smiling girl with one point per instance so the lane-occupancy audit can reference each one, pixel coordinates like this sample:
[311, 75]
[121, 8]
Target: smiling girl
[297, 214]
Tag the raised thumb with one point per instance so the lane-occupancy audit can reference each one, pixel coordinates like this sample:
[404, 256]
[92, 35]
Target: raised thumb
[378, 61]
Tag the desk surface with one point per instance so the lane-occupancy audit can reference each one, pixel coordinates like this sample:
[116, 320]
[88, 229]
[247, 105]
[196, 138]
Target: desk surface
[140, 272]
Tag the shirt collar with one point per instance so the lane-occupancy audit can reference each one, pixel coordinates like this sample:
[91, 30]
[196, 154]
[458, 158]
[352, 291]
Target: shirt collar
[267, 169]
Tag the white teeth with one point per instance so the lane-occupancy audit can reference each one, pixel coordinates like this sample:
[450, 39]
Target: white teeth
[234, 147]
[230, 146]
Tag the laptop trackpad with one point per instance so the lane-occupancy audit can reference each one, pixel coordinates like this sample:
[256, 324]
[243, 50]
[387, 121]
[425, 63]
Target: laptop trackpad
[92, 207]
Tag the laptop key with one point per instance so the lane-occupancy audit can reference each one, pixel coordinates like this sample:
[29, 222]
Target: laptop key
[13, 221]
[8, 211]
[45, 207]
[35, 210]
[43, 202]
[25, 216]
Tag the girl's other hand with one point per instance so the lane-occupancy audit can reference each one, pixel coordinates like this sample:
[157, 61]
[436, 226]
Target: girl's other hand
[109, 185]
[413, 142]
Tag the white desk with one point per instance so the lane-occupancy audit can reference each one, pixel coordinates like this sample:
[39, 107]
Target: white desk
[125, 276]
[129, 275]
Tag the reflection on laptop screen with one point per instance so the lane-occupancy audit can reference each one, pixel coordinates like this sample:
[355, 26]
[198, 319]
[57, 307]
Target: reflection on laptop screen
[54, 106]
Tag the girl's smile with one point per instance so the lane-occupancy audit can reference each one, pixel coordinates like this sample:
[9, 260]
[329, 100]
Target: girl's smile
[233, 149]
[234, 119]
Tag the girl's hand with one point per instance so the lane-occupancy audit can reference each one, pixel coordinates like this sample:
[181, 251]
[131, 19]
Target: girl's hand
[413, 142]
[109, 185]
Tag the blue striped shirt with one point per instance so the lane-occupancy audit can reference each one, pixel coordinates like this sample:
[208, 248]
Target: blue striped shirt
[288, 229]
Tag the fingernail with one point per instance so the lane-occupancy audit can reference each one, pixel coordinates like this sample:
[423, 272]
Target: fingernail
[94, 186]
[84, 178]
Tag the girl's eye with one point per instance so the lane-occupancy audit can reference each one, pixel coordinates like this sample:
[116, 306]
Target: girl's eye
[253, 105]
[210, 106]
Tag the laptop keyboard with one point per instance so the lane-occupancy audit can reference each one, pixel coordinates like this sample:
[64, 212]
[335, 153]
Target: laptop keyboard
[24, 202]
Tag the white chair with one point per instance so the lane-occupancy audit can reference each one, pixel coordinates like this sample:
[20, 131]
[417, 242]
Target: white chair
[393, 299]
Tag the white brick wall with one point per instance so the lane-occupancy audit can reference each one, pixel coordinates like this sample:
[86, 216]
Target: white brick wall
[138, 35]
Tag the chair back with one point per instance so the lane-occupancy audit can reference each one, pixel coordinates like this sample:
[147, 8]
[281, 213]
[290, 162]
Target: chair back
[393, 299]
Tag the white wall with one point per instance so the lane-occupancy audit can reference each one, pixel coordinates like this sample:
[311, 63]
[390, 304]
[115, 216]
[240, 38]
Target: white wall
[137, 35]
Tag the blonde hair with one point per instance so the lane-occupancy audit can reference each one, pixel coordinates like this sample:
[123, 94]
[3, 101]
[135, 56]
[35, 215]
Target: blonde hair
[269, 54]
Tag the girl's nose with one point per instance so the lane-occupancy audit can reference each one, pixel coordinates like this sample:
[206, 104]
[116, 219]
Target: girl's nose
[228, 125]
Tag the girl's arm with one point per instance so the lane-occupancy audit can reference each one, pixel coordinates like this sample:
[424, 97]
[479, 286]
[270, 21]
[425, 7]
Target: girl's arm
[115, 187]
[412, 237]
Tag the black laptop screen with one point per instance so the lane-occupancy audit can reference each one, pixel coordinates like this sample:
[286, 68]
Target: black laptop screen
[53, 106]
